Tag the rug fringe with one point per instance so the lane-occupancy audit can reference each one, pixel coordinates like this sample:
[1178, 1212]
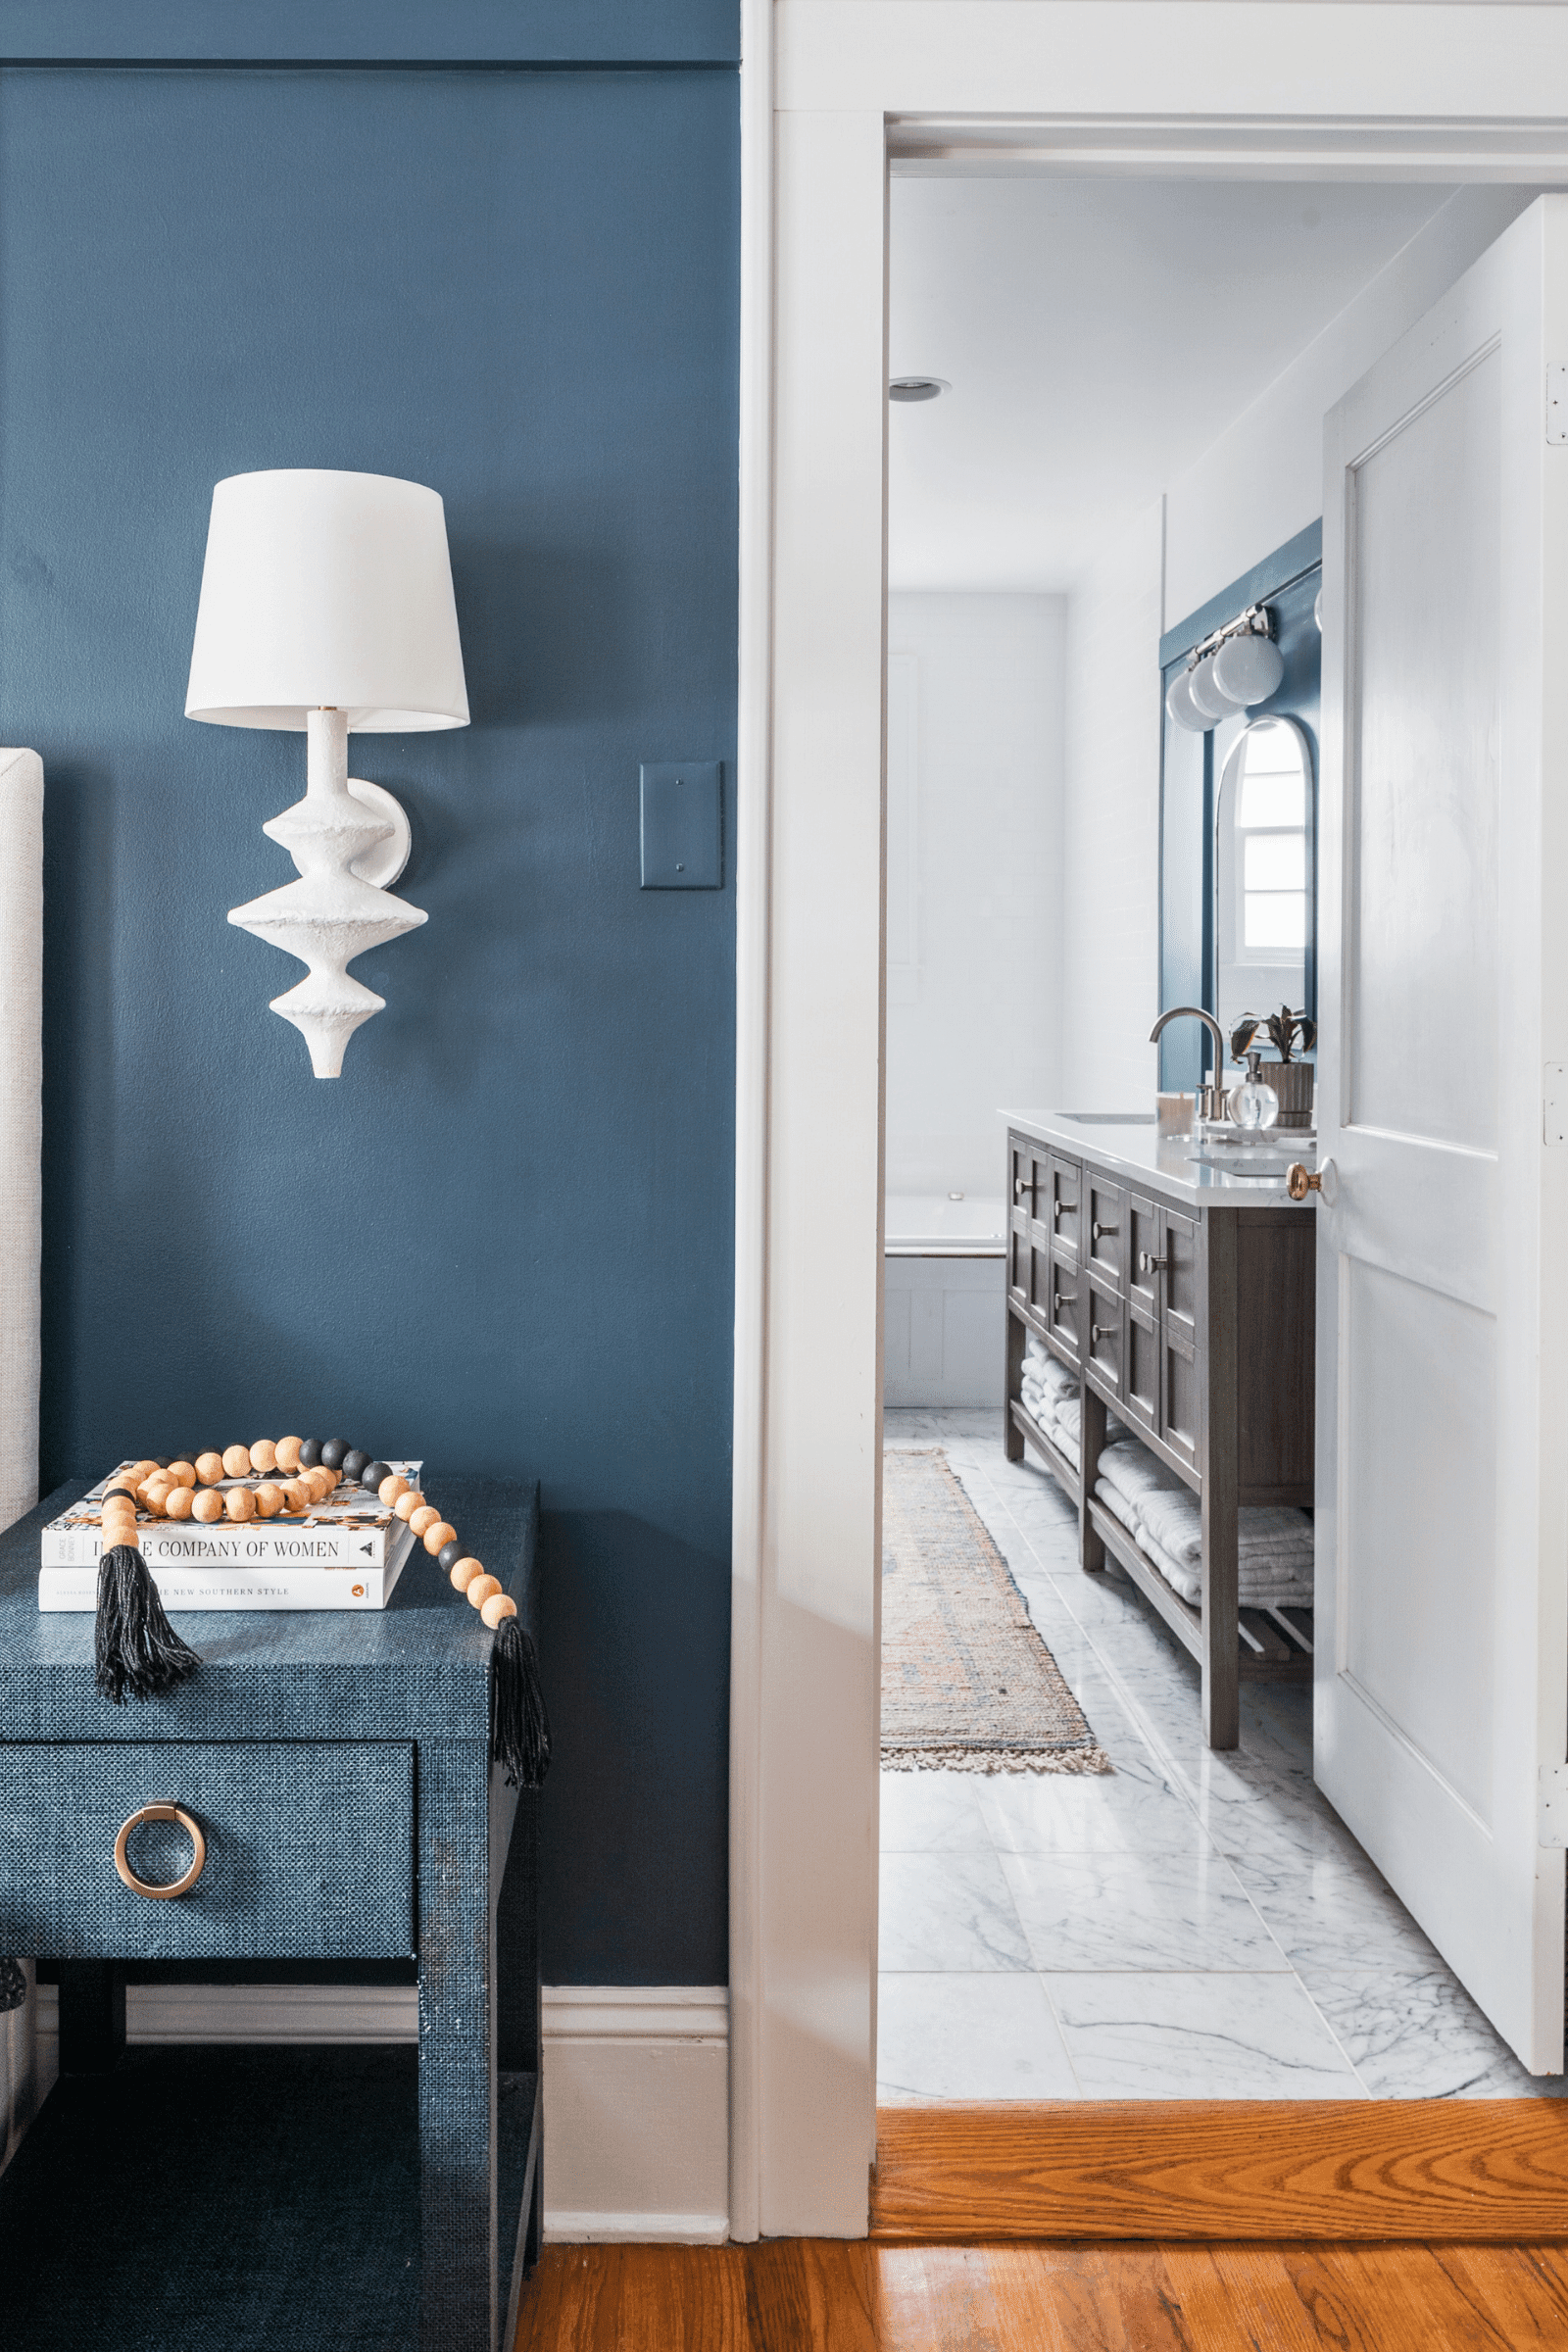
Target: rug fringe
[969, 1759]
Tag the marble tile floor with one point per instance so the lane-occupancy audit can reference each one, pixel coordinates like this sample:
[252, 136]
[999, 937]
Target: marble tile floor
[1190, 1926]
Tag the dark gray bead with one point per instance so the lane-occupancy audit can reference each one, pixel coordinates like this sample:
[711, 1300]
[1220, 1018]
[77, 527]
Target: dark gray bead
[353, 1464]
[447, 1558]
[310, 1453]
[332, 1454]
[375, 1474]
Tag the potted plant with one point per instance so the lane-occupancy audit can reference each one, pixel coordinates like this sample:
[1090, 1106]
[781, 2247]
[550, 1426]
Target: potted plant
[1290, 1034]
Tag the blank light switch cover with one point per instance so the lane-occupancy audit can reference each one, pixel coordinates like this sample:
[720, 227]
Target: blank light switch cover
[683, 824]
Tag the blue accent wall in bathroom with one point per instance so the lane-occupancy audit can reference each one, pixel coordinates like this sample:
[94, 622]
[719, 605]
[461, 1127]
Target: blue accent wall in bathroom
[502, 1241]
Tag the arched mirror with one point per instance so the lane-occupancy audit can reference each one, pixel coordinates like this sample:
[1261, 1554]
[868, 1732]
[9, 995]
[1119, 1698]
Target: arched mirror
[1265, 913]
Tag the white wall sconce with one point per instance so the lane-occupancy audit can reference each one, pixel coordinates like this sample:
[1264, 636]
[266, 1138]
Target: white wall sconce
[326, 609]
[1236, 666]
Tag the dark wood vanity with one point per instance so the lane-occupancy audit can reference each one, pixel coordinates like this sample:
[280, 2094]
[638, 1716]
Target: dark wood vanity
[1182, 1297]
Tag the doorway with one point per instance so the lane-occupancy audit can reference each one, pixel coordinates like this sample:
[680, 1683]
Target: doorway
[803, 1908]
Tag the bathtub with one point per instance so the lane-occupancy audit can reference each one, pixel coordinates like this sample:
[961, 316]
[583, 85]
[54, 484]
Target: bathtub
[944, 1299]
[933, 1225]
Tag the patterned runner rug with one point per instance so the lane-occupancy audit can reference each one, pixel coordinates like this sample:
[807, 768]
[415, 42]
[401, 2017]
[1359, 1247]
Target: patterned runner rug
[967, 1685]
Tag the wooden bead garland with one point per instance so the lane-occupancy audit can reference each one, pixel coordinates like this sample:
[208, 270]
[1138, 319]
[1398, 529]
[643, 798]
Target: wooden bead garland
[137, 1649]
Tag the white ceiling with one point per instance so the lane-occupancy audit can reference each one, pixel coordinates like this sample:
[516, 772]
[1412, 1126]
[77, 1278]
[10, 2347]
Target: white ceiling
[1098, 335]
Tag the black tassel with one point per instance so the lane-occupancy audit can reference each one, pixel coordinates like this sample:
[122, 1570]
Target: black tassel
[12, 1986]
[520, 1728]
[135, 1648]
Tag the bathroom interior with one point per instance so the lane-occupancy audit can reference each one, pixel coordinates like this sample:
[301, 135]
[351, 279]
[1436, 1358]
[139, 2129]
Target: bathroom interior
[1105, 460]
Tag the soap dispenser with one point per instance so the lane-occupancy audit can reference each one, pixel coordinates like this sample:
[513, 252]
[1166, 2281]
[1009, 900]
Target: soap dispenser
[1254, 1104]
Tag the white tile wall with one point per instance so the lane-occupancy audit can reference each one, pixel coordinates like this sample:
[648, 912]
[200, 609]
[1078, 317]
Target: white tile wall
[1110, 825]
[979, 1027]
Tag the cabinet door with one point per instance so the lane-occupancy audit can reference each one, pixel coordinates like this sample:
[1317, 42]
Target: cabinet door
[1102, 1328]
[1103, 1229]
[1140, 1389]
[1181, 1403]
[1142, 1248]
[1063, 1305]
[1065, 1205]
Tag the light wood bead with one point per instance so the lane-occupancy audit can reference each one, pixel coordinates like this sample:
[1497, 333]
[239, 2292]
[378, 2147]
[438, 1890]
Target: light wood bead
[294, 1496]
[498, 1606]
[286, 1454]
[139, 1470]
[426, 1516]
[208, 1468]
[237, 1461]
[153, 1488]
[333, 1478]
[410, 1502]
[268, 1500]
[480, 1590]
[390, 1489]
[182, 1473]
[178, 1502]
[207, 1506]
[121, 1516]
[464, 1573]
[264, 1455]
[240, 1503]
[433, 1537]
[313, 1485]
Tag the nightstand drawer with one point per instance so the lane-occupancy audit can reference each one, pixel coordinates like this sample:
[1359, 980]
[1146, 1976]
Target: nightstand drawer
[308, 1850]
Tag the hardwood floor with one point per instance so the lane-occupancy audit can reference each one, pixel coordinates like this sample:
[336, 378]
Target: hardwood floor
[816, 2295]
[1439, 2170]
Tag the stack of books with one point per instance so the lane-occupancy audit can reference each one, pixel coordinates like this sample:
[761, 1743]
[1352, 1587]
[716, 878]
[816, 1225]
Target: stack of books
[344, 1553]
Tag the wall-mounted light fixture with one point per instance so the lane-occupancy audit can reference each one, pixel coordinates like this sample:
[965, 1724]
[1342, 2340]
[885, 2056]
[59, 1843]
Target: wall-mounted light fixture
[326, 609]
[1233, 668]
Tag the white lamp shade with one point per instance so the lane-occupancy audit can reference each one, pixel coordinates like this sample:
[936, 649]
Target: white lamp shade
[1208, 697]
[1249, 668]
[328, 590]
[1179, 702]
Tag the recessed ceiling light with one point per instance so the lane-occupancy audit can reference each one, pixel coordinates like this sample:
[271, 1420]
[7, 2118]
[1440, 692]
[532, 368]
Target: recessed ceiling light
[918, 387]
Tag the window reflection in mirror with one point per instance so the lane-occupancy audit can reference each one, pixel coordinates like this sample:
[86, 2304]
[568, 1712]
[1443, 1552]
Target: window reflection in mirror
[1264, 916]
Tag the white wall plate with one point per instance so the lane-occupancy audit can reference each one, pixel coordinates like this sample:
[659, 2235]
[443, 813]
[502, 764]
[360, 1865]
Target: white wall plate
[382, 862]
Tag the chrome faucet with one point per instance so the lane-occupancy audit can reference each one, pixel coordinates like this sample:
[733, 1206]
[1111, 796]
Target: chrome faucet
[1212, 1099]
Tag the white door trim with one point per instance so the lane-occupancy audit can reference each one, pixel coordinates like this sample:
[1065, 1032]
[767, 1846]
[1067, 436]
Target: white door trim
[1424, 91]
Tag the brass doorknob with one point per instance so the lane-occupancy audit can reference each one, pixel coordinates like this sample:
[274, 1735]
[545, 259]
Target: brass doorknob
[1299, 1181]
[181, 1886]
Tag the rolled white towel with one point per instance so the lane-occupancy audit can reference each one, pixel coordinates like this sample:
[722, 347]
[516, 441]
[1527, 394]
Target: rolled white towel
[1257, 1589]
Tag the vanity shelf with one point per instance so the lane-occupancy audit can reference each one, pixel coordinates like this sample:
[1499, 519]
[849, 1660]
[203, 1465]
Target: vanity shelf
[1183, 1298]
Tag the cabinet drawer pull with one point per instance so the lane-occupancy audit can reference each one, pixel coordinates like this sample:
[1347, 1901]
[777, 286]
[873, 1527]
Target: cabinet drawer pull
[1061, 1299]
[192, 1830]
[1064, 1208]
[1099, 1230]
[1020, 1185]
[1104, 1331]
[1150, 1265]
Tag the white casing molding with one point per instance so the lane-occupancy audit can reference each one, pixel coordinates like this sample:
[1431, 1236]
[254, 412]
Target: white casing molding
[830, 89]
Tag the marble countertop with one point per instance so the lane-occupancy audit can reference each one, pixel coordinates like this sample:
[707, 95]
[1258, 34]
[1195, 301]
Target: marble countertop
[1130, 1144]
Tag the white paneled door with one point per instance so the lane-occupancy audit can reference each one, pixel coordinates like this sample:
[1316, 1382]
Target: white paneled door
[1442, 1696]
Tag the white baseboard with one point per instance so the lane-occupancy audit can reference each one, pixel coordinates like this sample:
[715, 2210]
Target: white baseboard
[636, 2085]
[637, 2113]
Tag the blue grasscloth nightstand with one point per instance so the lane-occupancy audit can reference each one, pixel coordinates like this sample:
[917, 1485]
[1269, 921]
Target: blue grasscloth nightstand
[338, 1768]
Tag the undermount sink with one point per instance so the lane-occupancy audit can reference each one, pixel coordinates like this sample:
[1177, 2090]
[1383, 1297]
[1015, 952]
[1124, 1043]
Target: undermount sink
[1109, 1118]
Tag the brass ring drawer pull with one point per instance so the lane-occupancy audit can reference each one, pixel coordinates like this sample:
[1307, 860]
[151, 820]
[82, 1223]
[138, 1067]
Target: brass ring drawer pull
[192, 1830]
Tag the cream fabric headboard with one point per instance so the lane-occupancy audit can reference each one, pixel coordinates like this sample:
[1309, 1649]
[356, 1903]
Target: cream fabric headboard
[21, 1198]
[21, 1123]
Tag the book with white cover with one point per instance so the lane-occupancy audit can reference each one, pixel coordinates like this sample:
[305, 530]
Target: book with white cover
[351, 1529]
[248, 1585]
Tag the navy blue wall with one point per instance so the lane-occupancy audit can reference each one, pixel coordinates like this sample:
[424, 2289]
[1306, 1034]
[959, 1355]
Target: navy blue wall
[503, 1240]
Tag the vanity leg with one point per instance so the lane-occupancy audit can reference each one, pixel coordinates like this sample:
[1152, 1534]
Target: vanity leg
[1090, 1446]
[93, 2015]
[1221, 1614]
[1013, 1391]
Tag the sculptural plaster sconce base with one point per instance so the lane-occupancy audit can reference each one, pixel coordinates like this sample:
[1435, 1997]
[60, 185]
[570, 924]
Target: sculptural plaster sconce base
[337, 910]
